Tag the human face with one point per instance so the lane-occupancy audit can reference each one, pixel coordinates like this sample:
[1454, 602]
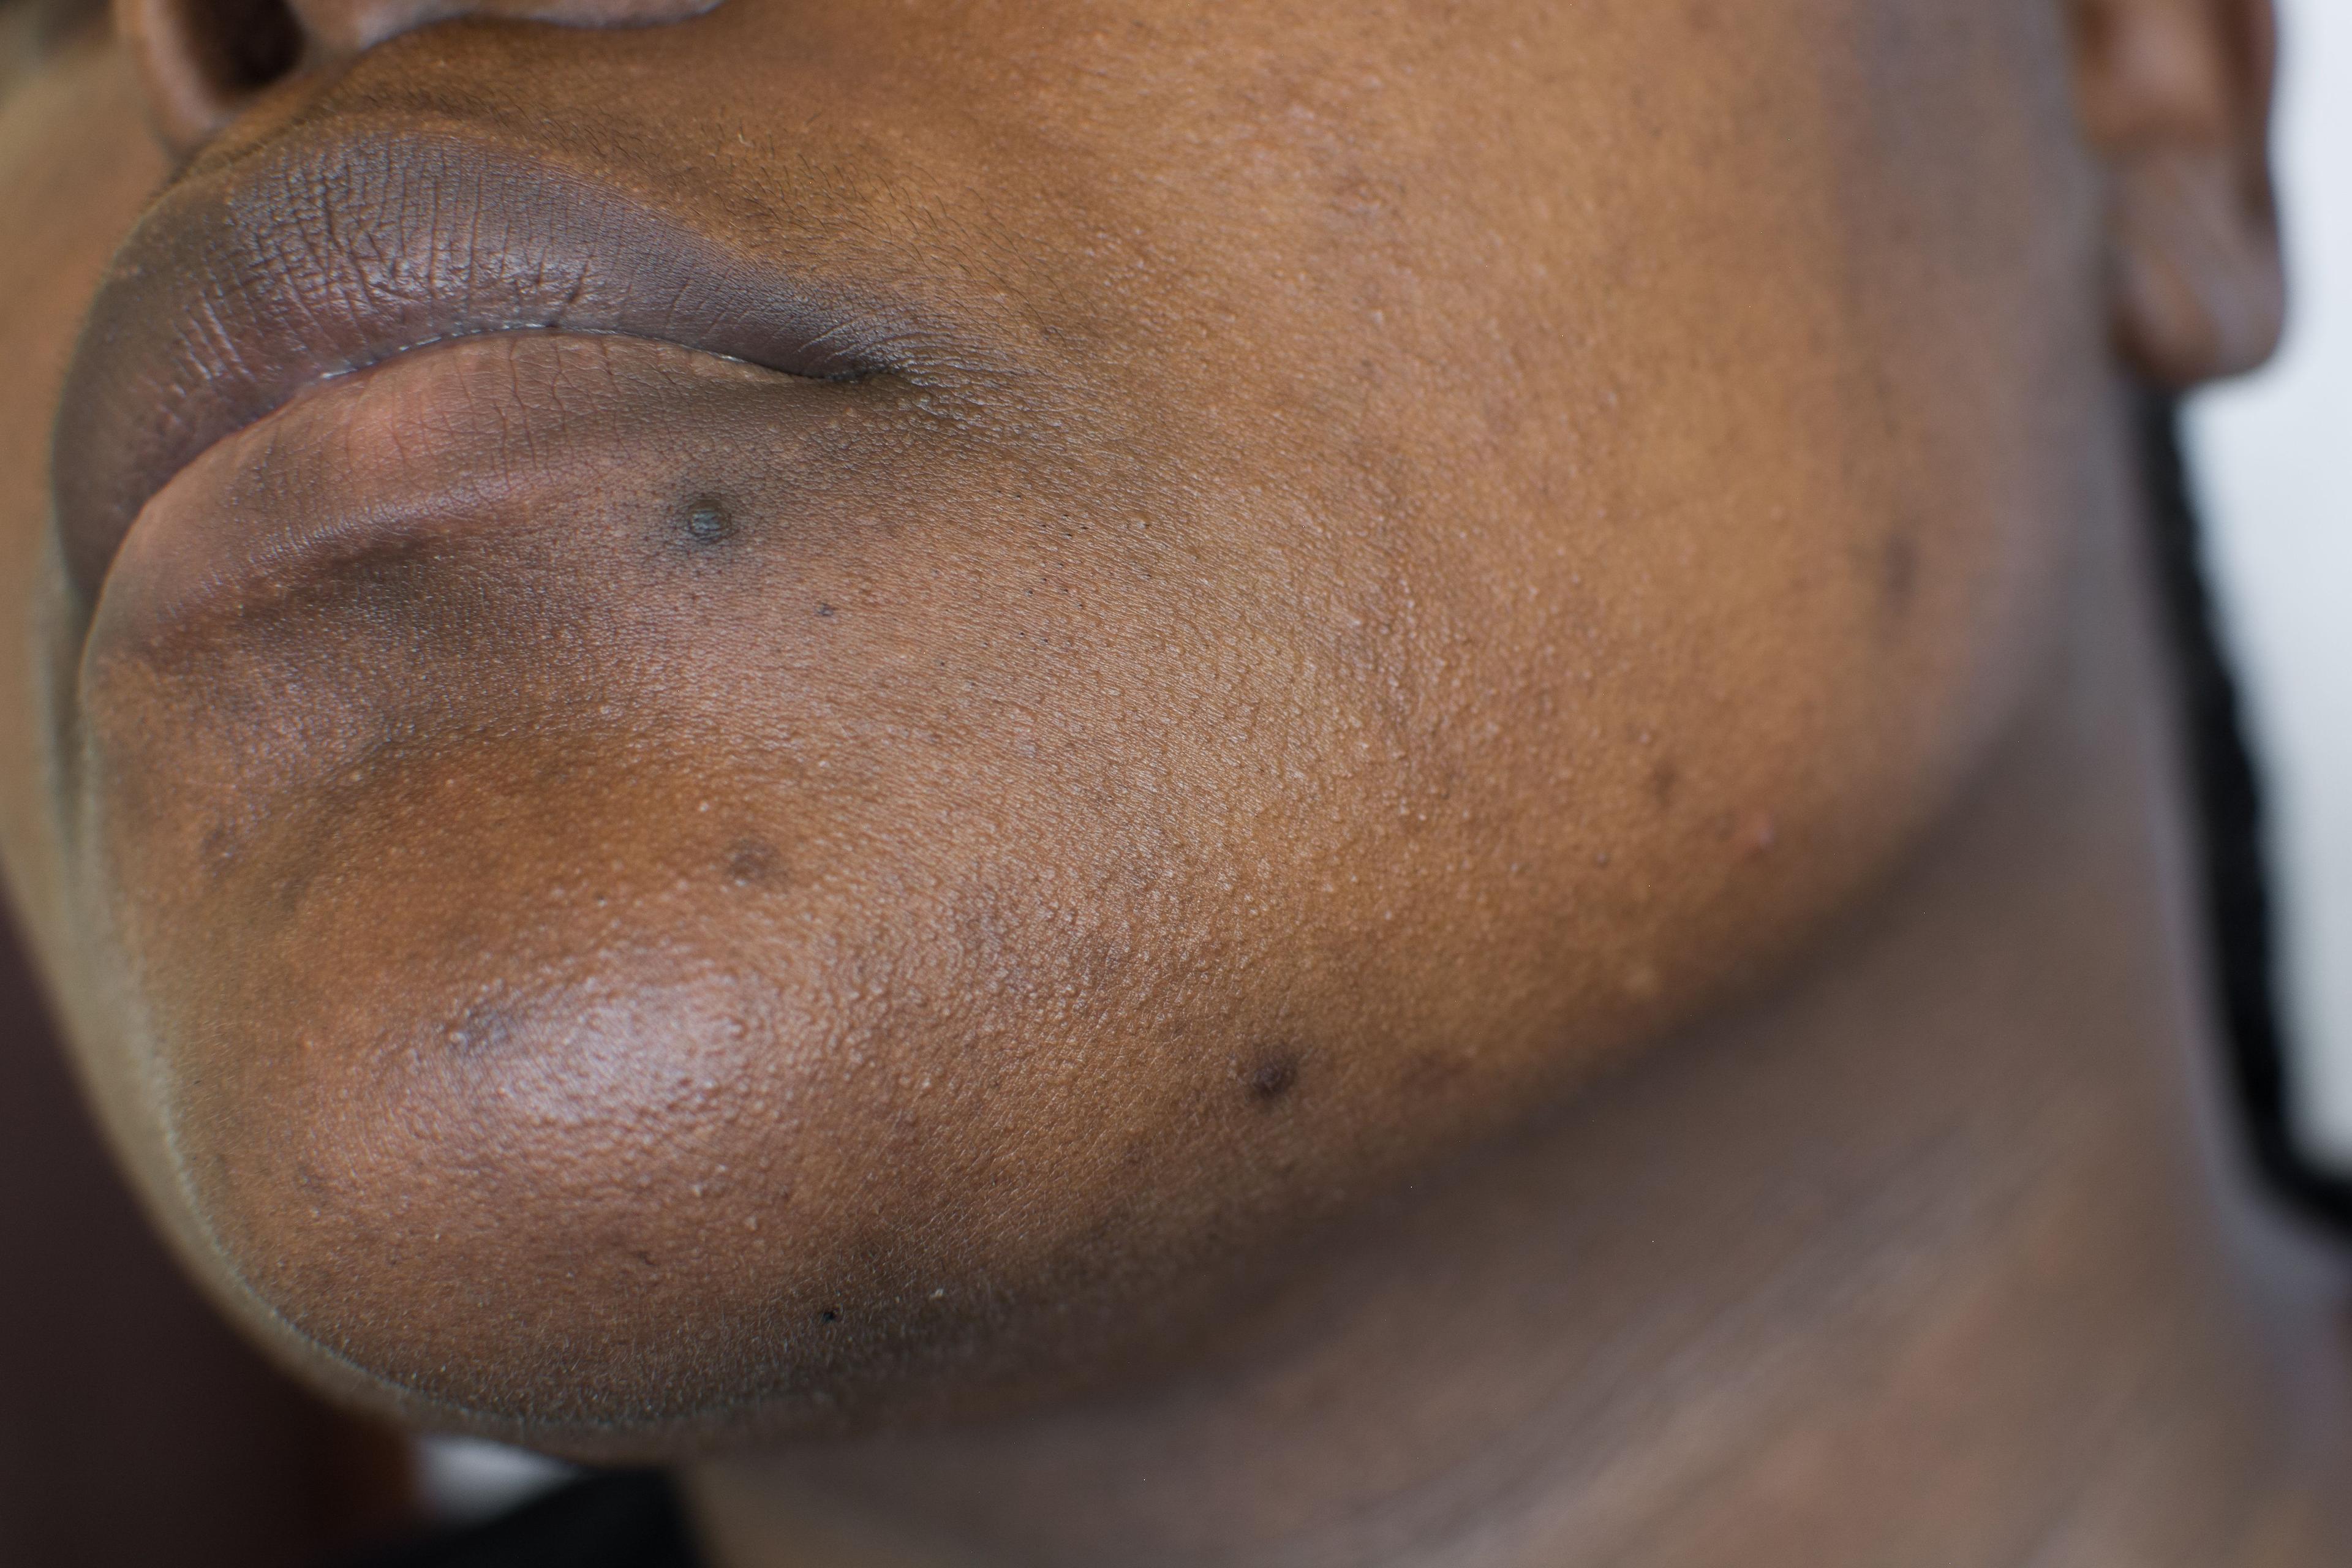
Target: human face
[828, 712]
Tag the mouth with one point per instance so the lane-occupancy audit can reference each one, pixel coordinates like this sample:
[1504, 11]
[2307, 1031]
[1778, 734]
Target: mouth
[330, 252]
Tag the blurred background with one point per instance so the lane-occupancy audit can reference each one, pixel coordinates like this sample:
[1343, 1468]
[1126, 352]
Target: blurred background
[2272, 460]
[143, 1396]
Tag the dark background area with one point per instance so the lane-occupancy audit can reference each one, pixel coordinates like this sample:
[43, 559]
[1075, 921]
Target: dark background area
[134, 1427]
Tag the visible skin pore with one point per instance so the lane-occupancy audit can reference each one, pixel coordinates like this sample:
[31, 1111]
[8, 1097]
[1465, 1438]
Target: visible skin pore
[1433, 826]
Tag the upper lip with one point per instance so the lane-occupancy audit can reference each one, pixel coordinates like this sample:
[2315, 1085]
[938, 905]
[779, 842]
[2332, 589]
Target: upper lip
[327, 253]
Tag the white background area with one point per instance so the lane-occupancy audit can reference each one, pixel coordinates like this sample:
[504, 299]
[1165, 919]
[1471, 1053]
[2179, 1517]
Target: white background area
[2273, 461]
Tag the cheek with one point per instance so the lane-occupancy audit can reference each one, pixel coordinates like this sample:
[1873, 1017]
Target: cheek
[1723, 489]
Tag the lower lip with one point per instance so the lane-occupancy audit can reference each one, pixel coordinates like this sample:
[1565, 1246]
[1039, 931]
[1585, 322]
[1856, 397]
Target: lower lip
[435, 444]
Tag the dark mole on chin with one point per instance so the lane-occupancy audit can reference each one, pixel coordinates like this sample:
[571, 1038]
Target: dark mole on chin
[708, 521]
[753, 862]
[1271, 1078]
[1664, 780]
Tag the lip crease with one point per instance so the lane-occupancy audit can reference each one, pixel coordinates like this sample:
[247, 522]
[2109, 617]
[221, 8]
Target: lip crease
[338, 249]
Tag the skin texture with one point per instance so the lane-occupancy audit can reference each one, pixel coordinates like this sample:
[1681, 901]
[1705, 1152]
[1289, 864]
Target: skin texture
[1252, 659]
[1284, 591]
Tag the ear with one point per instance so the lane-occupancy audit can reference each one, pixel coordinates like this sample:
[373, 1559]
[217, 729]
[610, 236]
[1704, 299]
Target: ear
[2176, 97]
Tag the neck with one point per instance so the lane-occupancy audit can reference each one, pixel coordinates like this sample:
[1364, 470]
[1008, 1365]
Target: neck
[1937, 1253]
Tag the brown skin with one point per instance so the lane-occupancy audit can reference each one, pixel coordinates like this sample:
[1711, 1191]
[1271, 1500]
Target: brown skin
[1376, 562]
[1917, 1260]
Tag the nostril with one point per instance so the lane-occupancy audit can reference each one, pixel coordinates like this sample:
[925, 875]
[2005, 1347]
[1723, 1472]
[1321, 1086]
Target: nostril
[202, 60]
[248, 44]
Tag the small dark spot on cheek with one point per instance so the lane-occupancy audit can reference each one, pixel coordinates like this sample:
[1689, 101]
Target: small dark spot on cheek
[707, 521]
[753, 862]
[1665, 782]
[829, 1315]
[1272, 1078]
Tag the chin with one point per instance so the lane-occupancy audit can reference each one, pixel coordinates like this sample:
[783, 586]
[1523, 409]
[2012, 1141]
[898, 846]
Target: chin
[568, 1066]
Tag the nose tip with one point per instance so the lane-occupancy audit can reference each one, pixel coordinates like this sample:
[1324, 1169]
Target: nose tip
[202, 61]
